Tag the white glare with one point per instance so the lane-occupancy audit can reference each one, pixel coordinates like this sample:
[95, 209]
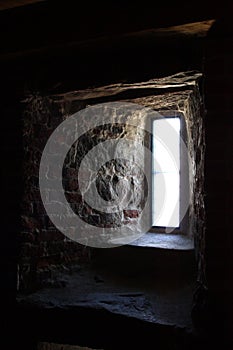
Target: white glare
[166, 172]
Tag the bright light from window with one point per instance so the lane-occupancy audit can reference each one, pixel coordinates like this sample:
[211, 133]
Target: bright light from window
[166, 172]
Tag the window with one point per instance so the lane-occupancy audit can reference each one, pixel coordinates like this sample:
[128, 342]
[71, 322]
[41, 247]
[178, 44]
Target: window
[169, 179]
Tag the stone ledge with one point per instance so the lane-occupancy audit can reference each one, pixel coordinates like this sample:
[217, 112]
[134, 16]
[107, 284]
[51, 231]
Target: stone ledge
[176, 82]
[164, 241]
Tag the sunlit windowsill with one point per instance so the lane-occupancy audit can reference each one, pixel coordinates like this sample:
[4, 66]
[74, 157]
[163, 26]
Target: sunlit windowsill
[164, 241]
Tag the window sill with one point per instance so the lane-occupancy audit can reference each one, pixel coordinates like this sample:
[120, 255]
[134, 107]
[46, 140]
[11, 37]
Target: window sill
[164, 241]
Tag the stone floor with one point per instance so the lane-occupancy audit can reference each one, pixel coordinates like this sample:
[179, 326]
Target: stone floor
[118, 292]
[167, 304]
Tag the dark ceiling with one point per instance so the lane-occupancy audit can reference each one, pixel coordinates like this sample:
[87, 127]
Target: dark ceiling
[45, 22]
[50, 43]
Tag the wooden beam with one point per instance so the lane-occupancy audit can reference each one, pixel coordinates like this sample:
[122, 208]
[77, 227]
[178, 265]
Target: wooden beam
[190, 31]
[9, 4]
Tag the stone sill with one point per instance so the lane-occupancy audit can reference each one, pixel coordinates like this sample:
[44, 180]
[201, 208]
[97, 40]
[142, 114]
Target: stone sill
[164, 241]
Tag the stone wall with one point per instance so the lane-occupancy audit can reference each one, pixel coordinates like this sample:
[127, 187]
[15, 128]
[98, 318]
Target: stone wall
[43, 247]
[190, 103]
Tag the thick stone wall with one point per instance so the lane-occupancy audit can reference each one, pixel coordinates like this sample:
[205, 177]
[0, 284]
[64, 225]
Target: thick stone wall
[43, 247]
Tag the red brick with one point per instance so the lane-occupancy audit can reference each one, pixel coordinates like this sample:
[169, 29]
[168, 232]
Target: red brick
[131, 213]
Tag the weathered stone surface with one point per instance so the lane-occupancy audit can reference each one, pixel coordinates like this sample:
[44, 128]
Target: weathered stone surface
[180, 81]
[179, 92]
[95, 289]
[168, 241]
[128, 304]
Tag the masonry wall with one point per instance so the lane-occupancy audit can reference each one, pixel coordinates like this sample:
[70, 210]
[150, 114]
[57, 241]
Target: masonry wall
[11, 192]
[47, 71]
[43, 247]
